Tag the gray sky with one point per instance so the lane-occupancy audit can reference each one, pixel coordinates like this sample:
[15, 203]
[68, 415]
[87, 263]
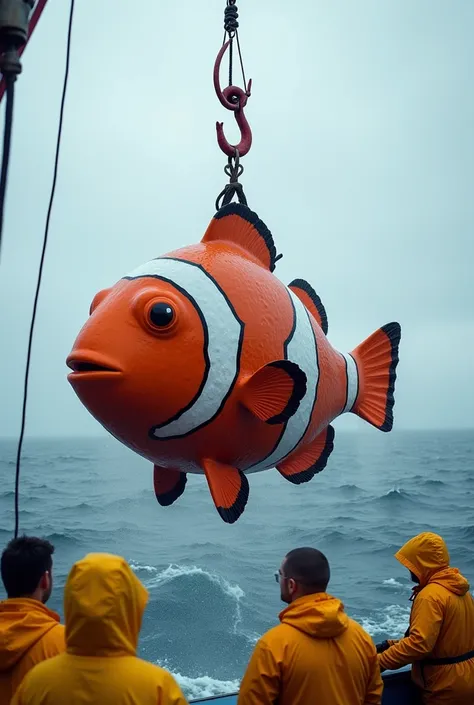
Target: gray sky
[362, 166]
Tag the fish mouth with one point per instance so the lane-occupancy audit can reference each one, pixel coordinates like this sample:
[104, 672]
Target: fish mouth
[88, 366]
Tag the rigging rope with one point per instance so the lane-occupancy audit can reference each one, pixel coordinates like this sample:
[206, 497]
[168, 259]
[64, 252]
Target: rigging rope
[40, 271]
[231, 28]
[7, 137]
[235, 99]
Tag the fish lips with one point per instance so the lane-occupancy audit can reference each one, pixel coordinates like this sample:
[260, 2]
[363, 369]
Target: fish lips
[88, 366]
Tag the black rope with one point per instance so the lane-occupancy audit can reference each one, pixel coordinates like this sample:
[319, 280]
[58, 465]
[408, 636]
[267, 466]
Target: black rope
[231, 59]
[231, 25]
[241, 61]
[231, 16]
[7, 138]
[233, 169]
[40, 271]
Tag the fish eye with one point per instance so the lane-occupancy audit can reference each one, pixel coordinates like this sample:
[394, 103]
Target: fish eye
[161, 314]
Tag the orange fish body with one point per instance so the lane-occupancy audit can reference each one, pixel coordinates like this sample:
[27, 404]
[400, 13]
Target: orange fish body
[202, 361]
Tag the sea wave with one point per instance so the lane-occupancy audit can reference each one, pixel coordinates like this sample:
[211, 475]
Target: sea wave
[62, 539]
[212, 592]
[396, 495]
[202, 686]
[390, 622]
[349, 490]
[465, 533]
[156, 578]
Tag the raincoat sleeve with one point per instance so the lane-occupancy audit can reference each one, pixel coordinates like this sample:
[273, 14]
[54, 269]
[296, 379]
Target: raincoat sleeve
[375, 684]
[261, 682]
[425, 624]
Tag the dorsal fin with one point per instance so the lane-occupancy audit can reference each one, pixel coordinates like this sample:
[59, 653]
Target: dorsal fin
[311, 300]
[237, 224]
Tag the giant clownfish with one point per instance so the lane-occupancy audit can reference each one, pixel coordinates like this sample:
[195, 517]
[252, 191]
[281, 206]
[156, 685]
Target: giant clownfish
[202, 361]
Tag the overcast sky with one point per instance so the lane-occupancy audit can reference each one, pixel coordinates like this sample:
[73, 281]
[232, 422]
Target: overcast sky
[362, 166]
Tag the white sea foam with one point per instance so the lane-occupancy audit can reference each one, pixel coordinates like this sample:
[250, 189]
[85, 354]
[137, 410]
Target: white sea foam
[392, 620]
[136, 567]
[205, 686]
[394, 490]
[391, 582]
[202, 686]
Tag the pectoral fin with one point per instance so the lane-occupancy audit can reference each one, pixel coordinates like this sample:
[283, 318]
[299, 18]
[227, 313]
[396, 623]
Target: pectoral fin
[275, 391]
[229, 489]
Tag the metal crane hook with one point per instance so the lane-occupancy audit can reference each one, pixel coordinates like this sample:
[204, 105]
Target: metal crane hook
[233, 98]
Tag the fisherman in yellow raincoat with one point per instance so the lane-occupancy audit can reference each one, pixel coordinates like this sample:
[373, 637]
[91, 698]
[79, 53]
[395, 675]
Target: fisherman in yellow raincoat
[104, 603]
[317, 655]
[440, 640]
[29, 631]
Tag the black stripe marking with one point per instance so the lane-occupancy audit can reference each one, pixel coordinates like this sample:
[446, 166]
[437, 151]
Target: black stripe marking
[315, 390]
[285, 357]
[358, 383]
[207, 362]
[293, 328]
[347, 383]
[239, 352]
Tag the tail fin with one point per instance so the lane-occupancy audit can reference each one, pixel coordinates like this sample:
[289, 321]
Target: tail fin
[377, 359]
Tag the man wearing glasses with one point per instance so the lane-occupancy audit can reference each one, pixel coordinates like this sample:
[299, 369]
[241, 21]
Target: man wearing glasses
[316, 653]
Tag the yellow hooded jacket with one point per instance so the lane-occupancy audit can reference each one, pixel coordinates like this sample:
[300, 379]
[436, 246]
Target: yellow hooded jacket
[441, 624]
[104, 603]
[316, 655]
[29, 634]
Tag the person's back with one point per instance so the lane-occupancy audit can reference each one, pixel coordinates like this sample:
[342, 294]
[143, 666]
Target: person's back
[29, 631]
[316, 653]
[441, 626]
[103, 604]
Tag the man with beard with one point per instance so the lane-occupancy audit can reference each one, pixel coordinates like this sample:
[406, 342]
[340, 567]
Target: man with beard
[29, 631]
[316, 653]
[440, 640]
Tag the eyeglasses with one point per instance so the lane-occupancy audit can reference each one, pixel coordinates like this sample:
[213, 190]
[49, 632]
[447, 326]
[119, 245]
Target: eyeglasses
[279, 575]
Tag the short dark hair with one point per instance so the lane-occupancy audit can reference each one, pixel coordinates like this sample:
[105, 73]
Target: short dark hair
[24, 561]
[309, 567]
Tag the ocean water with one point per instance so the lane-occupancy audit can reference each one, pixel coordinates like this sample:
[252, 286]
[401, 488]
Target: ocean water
[212, 590]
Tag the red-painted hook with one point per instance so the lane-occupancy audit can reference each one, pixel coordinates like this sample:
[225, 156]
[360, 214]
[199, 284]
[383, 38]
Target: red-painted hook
[232, 98]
